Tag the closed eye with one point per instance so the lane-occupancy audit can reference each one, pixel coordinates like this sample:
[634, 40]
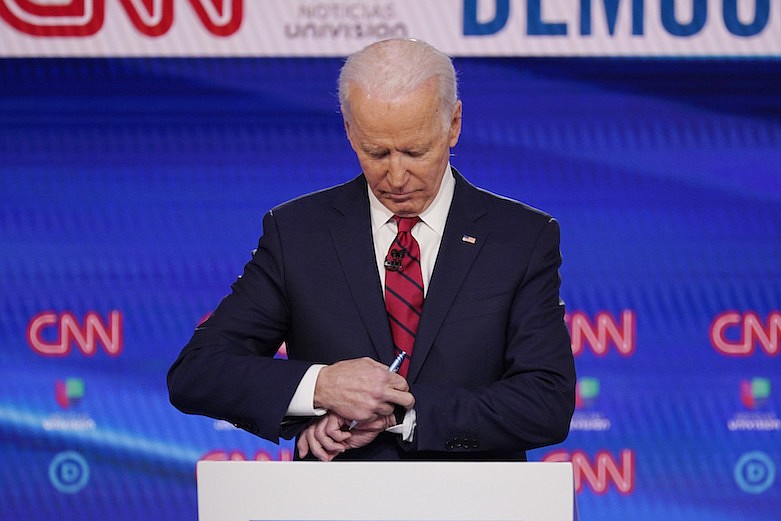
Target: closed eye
[377, 154]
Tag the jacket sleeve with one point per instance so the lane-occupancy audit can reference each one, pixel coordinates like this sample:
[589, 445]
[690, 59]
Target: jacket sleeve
[228, 370]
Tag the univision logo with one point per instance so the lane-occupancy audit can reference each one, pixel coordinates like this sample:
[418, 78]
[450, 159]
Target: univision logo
[586, 392]
[754, 393]
[69, 392]
[585, 418]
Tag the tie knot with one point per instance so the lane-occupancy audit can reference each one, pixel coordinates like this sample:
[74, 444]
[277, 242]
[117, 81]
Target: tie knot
[406, 224]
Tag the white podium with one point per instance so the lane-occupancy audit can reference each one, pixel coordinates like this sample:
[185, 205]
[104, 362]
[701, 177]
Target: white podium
[385, 491]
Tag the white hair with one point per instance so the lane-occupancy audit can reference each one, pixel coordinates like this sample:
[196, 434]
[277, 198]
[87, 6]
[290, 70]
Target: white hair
[392, 68]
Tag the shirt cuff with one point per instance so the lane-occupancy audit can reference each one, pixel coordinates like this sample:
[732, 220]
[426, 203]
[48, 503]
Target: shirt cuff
[303, 401]
[407, 427]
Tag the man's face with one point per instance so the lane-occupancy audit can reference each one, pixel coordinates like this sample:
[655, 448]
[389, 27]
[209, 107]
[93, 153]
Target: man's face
[402, 146]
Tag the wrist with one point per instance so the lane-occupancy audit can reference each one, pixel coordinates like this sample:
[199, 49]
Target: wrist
[319, 400]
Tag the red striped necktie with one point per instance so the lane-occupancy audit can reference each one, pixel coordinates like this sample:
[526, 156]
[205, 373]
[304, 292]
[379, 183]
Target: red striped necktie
[404, 288]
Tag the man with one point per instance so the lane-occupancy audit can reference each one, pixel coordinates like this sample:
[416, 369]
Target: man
[408, 257]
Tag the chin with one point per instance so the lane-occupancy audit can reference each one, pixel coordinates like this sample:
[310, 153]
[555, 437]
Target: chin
[410, 206]
[405, 211]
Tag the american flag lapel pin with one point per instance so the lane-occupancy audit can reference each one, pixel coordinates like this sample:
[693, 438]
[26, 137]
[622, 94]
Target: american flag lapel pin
[469, 239]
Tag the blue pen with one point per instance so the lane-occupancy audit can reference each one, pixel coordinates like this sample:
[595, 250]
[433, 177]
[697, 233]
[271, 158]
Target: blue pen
[394, 368]
[396, 365]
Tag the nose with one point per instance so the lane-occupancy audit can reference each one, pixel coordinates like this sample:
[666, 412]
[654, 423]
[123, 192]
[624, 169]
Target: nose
[397, 172]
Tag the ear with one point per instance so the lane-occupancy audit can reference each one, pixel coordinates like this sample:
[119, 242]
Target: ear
[455, 124]
[345, 117]
[347, 130]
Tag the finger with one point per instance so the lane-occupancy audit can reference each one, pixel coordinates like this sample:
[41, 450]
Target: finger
[395, 397]
[372, 362]
[360, 425]
[332, 434]
[339, 435]
[334, 428]
[376, 425]
[398, 382]
[303, 446]
[310, 436]
[317, 449]
[326, 441]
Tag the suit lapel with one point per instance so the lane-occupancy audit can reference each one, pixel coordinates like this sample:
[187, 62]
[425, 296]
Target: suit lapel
[350, 227]
[456, 255]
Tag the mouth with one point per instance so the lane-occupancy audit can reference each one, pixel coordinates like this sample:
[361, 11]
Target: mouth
[398, 197]
[402, 204]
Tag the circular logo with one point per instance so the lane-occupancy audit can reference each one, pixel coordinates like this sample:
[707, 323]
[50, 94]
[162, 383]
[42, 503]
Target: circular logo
[69, 472]
[755, 472]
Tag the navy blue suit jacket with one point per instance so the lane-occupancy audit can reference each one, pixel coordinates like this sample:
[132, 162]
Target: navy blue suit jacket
[492, 370]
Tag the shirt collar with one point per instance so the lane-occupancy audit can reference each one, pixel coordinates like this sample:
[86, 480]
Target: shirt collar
[434, 216]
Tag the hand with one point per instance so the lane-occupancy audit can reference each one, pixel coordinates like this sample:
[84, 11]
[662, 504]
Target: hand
[364, 433]
[324, 437]
[329, 436]
[361, 389]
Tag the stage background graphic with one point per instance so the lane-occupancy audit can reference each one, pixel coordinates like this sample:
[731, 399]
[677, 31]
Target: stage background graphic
[132, 192]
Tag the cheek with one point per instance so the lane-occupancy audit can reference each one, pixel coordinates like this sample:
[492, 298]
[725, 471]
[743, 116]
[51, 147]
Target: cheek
[373, 172]
[431, 174]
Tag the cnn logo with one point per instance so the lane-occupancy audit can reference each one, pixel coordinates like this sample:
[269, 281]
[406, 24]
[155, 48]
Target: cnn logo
[737, 334]
[604, 471]
[53, 334]
[602, 332]
[237, 455]
[82, 18]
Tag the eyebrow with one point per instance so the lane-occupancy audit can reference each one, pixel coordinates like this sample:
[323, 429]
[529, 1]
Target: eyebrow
[413, 148]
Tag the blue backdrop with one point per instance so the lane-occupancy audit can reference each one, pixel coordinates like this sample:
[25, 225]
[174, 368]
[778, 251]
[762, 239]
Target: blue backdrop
[132, 192]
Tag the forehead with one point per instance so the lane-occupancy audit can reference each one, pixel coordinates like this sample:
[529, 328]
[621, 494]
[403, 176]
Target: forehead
[414, 117]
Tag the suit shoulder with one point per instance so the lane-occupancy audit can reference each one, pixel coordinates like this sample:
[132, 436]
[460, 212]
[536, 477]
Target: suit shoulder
[512, 210]
[319, 200]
